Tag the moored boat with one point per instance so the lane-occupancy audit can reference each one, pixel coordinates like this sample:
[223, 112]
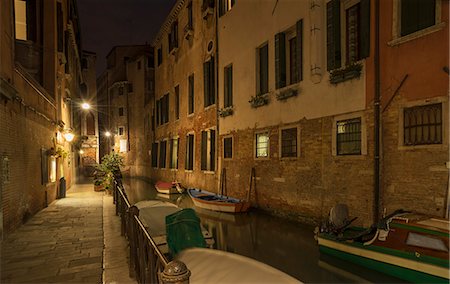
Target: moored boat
[229, 268]
[409, 246]
[169, 187]
[153, 215]
[208, 200]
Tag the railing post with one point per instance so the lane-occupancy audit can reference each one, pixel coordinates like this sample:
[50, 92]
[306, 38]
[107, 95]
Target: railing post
[132, 238]
[175, 272]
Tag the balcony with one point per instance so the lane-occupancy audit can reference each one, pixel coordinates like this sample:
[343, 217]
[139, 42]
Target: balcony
[30, 57]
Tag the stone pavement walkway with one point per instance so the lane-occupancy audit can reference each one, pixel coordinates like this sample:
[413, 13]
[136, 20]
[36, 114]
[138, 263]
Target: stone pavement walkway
[62, 243]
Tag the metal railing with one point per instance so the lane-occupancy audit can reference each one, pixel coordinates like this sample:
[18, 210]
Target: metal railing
[147, 263]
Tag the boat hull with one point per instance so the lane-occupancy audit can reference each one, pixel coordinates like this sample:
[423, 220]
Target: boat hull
[221, 206]
[166, 188]
[395, 264]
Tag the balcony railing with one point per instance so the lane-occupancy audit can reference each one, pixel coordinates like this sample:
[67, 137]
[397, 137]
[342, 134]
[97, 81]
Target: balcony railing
[30, 57]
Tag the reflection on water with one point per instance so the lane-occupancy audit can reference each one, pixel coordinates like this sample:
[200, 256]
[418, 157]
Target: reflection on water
[283, 244]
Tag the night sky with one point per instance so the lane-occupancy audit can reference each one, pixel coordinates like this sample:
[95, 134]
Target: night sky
[106, 23]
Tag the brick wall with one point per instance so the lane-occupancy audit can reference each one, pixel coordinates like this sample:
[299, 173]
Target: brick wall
[414, 177]
[308, 186]
[23, 135]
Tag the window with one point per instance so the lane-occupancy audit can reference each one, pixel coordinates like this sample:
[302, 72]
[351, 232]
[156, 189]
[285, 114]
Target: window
[162, 154]
[173, 36]
[288, 56]
[121, 131]
[208, 150]
[190, 16]
[422, 125]
[120, 91]
[189, 152]
[60, 28]
[262, 145]
[416, 15]
[90, 124]
[52, 169]
[26, 19]
[191, 95]
[356, 32]
[263, 69]
[159, 56]
[139, 65]
[162, 110]
[228, 147]
[348, 137]
[120, 111]
[225, 6]
[289, 142]
[150, 62]
[177, 102]
[174, 153]
[155, 155]
[228, 86]
[209, 86]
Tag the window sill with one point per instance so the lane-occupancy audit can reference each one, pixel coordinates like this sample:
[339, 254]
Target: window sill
[416, 35]
[208, 172]
[210, 107]
[191, 115]
[261, 158]
[288, 158]
[174, 170]
[227, 159]
[422, 147]
[188, 171]
[350, 157]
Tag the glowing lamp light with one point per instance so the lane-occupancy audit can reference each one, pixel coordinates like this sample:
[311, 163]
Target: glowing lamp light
[107, 134]
[85, 106]
[81, 152]
[69, 136]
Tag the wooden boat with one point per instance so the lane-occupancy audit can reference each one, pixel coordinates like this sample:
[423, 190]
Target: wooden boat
[153, 214]
[229, 268]
[169, 187]
[411, 247]
[208, 200]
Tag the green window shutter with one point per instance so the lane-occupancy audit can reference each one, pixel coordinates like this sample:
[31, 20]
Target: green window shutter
[228, 92]
[364, 46]
[212, 80]
[212, 153]
[264, 69]
[204, 150]
[299, 53]
[280, 60]
[333, 35]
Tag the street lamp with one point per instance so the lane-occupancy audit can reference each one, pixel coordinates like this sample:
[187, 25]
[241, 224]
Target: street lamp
[69, 136]
[85, 106]
[108, 134]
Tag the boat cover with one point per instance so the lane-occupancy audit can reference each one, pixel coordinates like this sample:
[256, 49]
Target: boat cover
[215, 266]
[184, 231]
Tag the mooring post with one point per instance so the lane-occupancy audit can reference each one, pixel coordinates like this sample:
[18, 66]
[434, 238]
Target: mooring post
[176, 272]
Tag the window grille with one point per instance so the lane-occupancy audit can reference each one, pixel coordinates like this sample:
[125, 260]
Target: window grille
[422, 125]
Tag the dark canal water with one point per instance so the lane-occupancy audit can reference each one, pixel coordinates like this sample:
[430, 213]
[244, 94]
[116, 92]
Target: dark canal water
[286, 245]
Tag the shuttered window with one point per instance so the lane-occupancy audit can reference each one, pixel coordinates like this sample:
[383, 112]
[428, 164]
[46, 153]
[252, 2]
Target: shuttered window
[120, 111]
[174, 153]
[228, 147]
[209, 86]
[159, 56]
[177, 102]
[162, 154]
[263, 69]
[191, 94]
[280, 60]
[173, 36]
[417, 15]
[228, 86]
[208, 149]
[60, 26]
[190, 16]
[333, 35]
[155, 155]
[90, 124]
[357, 33]
[422, 125]
[189, 152]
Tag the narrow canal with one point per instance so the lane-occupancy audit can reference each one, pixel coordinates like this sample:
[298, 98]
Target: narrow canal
[286, 245]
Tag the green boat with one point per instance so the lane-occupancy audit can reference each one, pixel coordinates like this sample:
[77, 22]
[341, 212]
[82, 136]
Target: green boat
[409, 246]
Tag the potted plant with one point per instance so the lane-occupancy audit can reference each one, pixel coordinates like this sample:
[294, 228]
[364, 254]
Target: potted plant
[259, 100]
[107, 170]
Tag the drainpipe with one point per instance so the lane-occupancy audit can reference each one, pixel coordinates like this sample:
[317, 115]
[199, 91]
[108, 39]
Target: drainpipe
[218, 169]
[376, 189]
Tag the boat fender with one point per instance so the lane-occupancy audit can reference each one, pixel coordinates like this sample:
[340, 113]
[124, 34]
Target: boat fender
[383, 235]
[368, 243]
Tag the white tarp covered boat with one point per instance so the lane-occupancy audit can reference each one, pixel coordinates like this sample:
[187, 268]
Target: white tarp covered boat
[216, 266]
